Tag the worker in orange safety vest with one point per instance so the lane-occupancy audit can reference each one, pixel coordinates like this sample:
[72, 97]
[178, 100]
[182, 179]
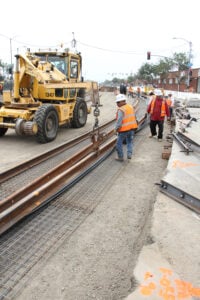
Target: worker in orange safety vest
[130, 91]
[125, 127]
[158, 110]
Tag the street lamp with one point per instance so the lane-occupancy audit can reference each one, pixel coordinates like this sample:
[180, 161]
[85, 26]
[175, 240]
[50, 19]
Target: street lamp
[189, 56]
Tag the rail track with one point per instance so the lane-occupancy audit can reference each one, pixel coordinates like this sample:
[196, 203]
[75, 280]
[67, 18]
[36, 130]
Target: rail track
[93, 147]
[35, 218]
[4, 176]
[72, 161]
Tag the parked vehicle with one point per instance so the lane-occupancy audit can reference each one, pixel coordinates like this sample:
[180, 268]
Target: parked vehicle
[49, 91]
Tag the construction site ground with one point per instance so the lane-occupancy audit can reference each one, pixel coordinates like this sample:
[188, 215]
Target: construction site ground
[136, 244]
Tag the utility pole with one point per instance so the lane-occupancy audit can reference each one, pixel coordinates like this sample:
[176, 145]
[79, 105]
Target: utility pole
[189, 57]
[190, 61]
[11, 55]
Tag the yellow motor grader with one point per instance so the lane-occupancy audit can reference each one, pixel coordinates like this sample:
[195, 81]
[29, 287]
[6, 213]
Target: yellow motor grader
[48, 92]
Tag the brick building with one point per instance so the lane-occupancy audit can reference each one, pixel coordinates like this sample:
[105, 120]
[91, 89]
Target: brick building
[177, 81]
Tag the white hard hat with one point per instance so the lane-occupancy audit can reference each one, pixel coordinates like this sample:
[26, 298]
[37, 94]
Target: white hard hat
[120, 97]
[158, 92]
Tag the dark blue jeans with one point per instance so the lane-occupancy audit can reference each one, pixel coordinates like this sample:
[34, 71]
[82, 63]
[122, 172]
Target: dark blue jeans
[128, 137]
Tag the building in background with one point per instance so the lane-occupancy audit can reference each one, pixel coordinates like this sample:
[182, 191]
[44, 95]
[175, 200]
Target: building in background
[178, 81]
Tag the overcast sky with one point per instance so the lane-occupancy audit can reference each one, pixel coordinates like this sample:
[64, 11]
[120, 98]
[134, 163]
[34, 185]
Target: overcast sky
[113, 36]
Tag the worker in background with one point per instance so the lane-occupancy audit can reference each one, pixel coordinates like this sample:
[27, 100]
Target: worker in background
[138, 92]
[158, 110]
[116, 91]
[151, 97]
[130, 91]
[125, 127]
[123, 88]
[170, 103]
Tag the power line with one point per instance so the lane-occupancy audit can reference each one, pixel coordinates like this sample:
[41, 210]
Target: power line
[110, 50]
[131, 52]
[33, 45]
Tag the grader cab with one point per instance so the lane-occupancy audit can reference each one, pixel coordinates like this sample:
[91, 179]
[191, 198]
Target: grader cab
[49, 91]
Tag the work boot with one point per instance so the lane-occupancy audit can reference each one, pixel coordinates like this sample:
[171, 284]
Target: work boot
[119, 159]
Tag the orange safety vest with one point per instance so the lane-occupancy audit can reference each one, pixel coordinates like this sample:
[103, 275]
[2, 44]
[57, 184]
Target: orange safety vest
[163, 108]
[169, 102]
[130, 89]
[129, 120]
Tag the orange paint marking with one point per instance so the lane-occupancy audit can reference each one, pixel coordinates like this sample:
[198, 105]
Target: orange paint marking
[181, 165]
[148, 275]
[169, 288]
[147, 290]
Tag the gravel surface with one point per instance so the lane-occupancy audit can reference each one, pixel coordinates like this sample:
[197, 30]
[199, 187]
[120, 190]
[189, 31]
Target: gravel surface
[97, 261]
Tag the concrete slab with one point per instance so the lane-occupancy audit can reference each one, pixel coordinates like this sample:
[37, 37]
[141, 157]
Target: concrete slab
[191, 129]
[183, 170]
[166, 269]
[155, 275]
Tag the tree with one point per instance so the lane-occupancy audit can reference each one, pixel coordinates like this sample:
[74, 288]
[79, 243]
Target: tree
[145, 72]
[180, 61]
[131, 79]
[149, 72]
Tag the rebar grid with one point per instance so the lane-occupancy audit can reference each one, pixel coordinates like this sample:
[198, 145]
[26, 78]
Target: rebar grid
[38, 236]
[10, 186]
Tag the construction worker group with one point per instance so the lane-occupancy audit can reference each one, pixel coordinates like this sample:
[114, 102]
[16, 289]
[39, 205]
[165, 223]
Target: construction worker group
[159, 107]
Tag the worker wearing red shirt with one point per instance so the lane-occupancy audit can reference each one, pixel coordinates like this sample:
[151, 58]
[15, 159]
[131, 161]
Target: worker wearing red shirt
[157, 109]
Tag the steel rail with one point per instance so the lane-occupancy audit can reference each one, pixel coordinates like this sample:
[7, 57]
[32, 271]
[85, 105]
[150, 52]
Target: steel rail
[47, 155]
[51, 153]
[187, 139]
[185, 147]
[31, 197]
[27, 199]
[180, 196]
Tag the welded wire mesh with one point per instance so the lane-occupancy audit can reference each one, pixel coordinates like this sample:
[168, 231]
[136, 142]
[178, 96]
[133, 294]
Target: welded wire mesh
[39, 235]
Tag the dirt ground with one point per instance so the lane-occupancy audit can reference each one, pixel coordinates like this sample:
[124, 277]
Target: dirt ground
[99, 259]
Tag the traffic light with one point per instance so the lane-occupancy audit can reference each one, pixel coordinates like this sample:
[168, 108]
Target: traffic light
[148, 55]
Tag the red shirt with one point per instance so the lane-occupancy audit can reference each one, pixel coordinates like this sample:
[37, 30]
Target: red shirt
[156, 115]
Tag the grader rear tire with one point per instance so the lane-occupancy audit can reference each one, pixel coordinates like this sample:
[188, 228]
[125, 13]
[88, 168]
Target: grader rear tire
[46, 118]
